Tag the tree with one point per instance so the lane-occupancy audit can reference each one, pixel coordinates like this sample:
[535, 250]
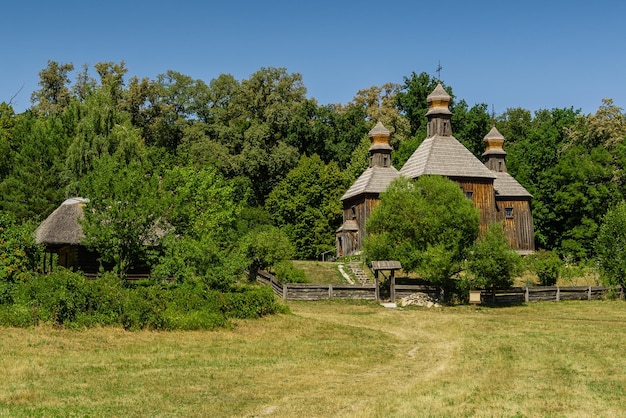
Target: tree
[306, 205]
[34, 183]
[492, 263]
[411, 100]
[610, 246]
[428, 225]
[19, 253]
[54, 95]
[124, 217]
[266, 247]
[202, 210]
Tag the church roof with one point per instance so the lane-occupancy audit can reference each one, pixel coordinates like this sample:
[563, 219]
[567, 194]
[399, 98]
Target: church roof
[373, 180]
[446, 156]
[506, 186]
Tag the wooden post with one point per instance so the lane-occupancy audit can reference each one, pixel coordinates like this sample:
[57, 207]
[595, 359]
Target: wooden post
[392, 286]
[376, 283]
[330, 291]
[558, 294]
[621, 292]
[285, 291]
[526, 295]
[589, 294]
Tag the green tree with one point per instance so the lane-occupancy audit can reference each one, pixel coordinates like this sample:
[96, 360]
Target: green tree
[411, 101]
[492, 263]
[34, 184]
[124, 217]
[428, 225]
[266, 247]
[54, 95]
[202, 210]
[19, 253]
[610, 246]
[306, 205]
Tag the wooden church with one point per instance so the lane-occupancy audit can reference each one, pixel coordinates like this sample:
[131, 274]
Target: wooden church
[497, 195]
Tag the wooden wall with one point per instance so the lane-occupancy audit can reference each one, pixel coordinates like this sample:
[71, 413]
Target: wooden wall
[359, 209]
[519, 228]
[483, 197]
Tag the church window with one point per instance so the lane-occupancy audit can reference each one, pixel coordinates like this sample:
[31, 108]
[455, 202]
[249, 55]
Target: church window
[508, 213]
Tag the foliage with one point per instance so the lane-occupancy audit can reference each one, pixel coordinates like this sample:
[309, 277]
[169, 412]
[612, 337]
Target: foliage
[287, 272]
[306, 205]
[123, 221]
[68, 299]
[19, 253]
[202, 211]
[265, 247]
[611, 246]
[546, 265]
[427, 225]
[492, 263]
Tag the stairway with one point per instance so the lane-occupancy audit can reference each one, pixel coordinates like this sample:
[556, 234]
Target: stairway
[358, 272]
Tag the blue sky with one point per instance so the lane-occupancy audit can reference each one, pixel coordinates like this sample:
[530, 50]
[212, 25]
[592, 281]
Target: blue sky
[530, 54]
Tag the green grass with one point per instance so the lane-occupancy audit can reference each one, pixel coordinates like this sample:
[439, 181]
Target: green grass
[332, 358]
[320, 272]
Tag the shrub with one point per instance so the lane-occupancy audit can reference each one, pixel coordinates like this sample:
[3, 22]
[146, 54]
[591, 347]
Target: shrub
[546, 265]
[611, 246]
[287, 272]
[250, 304]
[492, 262]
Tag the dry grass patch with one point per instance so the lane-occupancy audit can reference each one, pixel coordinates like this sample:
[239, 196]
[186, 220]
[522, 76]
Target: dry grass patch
[331, 358]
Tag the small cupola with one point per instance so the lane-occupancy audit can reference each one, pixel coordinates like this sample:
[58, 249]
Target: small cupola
[439, 114]
[380, 149]
[494, 154]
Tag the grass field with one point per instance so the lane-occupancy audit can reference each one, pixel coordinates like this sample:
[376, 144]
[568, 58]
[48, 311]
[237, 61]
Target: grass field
[332, 358]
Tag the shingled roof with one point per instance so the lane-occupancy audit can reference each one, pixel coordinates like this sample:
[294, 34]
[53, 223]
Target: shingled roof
[506, 186]
[373, 180]
[446, 156]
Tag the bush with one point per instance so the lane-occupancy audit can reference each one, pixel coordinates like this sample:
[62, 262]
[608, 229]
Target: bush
[250, 304]
[68, 299]
[546, 265]
[286, 272]
[492, 262]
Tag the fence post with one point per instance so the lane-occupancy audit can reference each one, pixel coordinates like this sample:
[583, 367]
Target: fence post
[526, 295]
[589, 294]
[621, 292]
[558, 294]
[285, 291]
[330, 291]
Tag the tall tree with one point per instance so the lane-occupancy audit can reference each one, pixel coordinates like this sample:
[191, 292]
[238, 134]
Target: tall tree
[122, 220]
[306, 205]
[54, 95]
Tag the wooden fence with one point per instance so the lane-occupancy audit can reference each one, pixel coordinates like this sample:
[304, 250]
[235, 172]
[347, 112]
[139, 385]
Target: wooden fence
[548, 293]
[306, 291]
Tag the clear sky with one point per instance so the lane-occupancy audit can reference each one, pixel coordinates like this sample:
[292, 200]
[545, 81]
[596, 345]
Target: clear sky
[525, 53]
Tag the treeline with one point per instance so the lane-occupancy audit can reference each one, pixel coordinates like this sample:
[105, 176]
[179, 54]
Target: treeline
[217, 162]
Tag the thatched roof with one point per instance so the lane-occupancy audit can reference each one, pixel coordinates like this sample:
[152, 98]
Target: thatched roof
[446, 156]
[373, 180]
[62, 226]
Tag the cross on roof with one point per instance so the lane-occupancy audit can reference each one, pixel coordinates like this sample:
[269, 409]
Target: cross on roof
[439, 68]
